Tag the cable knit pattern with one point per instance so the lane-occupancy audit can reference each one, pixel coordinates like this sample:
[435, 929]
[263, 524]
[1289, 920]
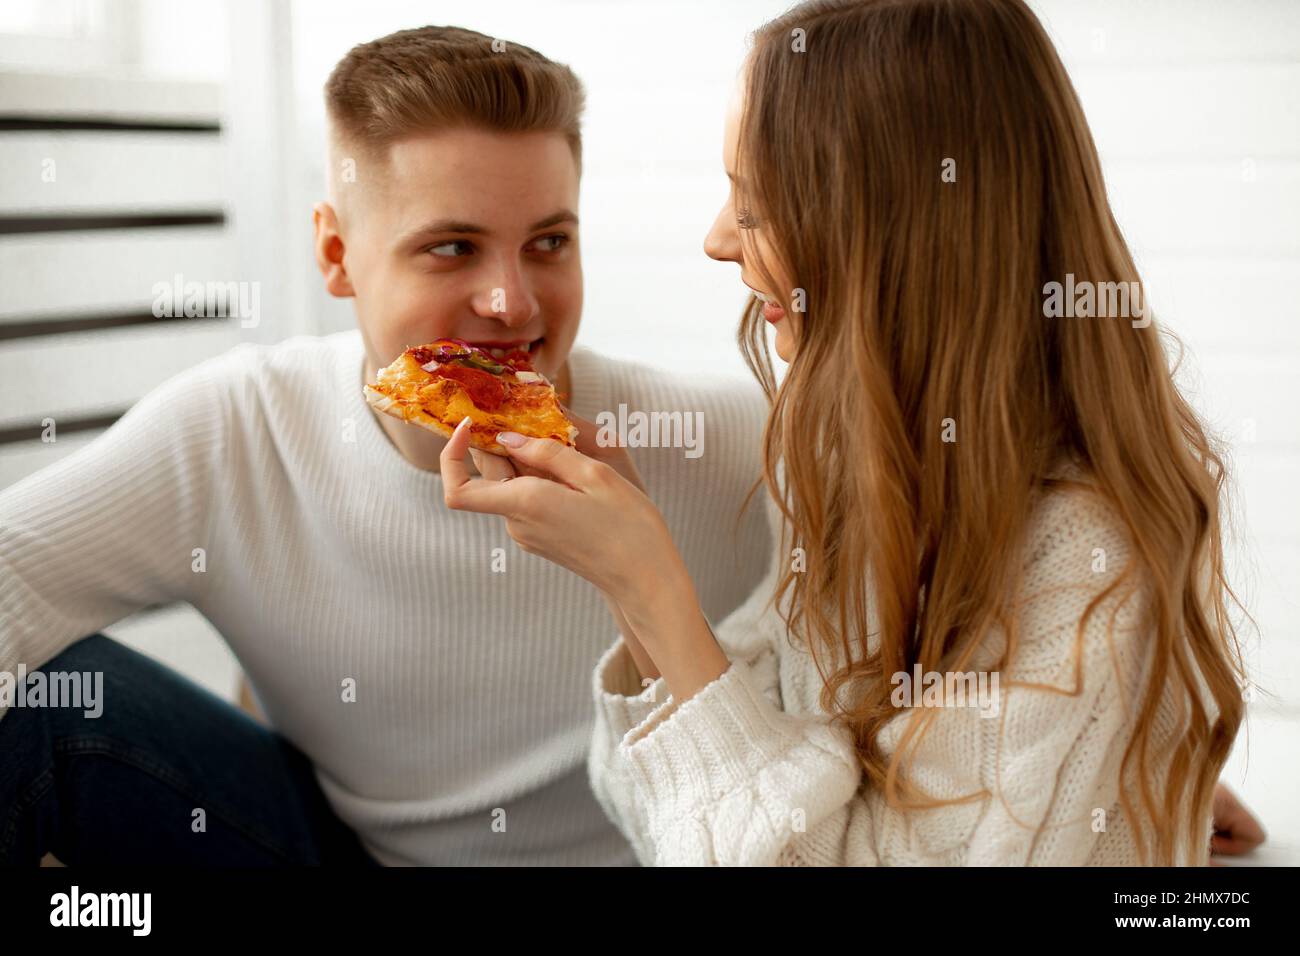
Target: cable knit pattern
[750, 771]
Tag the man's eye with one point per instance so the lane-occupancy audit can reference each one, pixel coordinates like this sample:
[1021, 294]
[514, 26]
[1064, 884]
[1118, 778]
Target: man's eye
[550, 243]
[457, 247]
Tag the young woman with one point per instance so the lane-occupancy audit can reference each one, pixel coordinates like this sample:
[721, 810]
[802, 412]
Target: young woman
[973, 491]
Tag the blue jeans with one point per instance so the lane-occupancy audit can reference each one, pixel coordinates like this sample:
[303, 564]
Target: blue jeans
[126, 787]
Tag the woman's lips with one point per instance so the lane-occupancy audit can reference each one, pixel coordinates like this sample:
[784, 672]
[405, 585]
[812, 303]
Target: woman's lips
[772, 310]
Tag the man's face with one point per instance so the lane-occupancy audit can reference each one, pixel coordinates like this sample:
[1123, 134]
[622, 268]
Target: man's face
[464, 234]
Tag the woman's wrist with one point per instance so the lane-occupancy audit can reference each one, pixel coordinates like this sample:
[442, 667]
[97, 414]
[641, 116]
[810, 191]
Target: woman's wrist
[661, 589]
[645, 665]
[666, 616]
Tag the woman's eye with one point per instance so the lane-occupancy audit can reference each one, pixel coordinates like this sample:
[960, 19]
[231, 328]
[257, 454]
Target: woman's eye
[745, 219]
[550, 243]
[457, 247]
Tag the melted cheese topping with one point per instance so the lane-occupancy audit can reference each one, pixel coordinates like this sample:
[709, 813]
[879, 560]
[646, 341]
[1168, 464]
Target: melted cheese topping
[531, 409]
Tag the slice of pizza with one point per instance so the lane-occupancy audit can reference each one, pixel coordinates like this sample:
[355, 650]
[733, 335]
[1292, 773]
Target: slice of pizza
[437, 385]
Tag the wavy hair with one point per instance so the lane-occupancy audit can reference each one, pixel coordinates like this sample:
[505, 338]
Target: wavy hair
[923, 302]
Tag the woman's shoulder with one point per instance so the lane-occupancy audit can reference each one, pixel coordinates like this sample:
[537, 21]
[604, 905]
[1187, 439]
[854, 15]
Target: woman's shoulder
[1081, 582]
[1075, 533]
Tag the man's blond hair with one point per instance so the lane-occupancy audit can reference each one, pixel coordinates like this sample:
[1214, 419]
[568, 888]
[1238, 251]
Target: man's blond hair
[434, 78]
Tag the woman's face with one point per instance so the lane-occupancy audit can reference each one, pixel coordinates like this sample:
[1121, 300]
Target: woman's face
[724, 240]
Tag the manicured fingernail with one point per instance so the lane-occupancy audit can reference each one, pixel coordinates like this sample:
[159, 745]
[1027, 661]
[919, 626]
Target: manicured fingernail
[463, 421]
[511, 439]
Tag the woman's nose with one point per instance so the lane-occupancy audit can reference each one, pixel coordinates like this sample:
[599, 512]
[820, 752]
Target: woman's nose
[723, 240]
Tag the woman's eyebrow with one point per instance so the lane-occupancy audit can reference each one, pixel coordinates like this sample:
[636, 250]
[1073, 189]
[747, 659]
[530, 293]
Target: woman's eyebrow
[439, 226]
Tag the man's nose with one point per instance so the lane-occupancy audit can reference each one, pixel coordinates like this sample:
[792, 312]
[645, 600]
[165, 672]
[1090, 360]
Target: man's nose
[507, 296]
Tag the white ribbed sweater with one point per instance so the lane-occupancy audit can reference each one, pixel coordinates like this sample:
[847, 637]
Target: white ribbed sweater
[749, 771]
[329, 556]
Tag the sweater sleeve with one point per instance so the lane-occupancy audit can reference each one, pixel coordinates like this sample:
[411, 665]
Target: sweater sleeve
[112, 527]
[730, 777]
[621, 704]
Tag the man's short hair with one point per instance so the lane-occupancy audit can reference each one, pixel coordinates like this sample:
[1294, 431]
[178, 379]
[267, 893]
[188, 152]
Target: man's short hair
[434, 78]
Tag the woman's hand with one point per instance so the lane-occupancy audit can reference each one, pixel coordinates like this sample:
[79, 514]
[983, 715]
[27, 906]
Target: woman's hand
[591, 519]
[584, 515]
[1236, 830]
[497, 468]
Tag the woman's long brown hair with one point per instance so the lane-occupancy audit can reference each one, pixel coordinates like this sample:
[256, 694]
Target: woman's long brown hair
[920, 302]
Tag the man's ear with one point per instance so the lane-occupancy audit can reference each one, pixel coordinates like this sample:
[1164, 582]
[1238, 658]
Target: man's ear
[328, 246]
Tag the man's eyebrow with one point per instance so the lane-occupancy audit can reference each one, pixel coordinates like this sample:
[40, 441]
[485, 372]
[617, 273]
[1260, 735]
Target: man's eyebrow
[440, 226]
[554, 219]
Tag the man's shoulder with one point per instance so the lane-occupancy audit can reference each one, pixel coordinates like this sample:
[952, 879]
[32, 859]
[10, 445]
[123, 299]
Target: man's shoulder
[693, 436]
[259, 385]
[298, 352]
[650, 387]
[300, 364]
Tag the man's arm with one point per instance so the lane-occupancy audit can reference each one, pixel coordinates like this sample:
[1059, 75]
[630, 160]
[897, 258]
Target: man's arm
[114, 526]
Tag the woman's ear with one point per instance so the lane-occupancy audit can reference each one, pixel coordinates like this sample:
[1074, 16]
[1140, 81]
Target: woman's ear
[328, 245]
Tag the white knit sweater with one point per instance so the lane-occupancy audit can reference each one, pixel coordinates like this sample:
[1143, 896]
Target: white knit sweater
[327, 557]
[749, 770]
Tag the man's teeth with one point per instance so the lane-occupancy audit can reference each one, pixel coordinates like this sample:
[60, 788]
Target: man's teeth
[497, 352]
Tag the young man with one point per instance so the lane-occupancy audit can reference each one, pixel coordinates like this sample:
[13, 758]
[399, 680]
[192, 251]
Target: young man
[429, 701]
